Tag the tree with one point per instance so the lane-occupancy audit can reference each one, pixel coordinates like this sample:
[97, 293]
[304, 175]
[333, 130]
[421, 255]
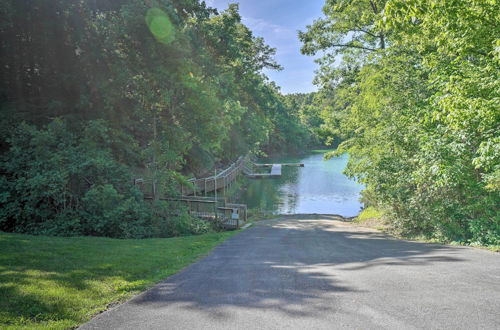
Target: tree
[420, 118]
[166, 89]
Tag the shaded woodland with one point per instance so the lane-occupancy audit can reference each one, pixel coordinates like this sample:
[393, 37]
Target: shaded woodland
[96, 93]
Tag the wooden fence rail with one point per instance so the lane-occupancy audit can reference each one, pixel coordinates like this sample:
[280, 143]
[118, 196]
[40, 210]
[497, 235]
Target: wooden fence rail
[221, 180]
[229, 215]
[194, 195]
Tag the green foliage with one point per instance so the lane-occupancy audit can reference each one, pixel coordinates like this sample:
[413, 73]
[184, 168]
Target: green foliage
[107, 213]
[309, 109]
[60, 183]
[349, 25]
[166, 225]
[160, 25]
[420, 118]
[94, 94]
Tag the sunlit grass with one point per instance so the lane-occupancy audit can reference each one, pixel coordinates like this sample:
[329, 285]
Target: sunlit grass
[59, 283]
[373, 218]
[369, 213]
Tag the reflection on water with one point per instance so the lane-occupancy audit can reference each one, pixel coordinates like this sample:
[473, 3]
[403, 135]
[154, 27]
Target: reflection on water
[318, 187]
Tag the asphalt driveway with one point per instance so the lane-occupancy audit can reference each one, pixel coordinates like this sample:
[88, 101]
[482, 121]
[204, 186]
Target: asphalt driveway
[312, 272]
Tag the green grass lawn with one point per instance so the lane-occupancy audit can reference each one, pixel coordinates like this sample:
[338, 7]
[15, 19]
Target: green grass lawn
[369, 213]
[60, 283]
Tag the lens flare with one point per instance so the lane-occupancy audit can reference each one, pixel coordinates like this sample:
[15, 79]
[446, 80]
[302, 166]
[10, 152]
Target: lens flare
[160, 25]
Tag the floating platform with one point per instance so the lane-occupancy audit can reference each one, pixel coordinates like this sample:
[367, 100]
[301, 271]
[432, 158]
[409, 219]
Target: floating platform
[284, 164]
[274, 172]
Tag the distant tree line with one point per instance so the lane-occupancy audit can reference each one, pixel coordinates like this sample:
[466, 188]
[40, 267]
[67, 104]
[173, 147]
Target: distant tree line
[96, 93]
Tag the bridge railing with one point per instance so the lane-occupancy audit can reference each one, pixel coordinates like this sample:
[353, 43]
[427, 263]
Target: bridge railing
[229, 215]
[194, 195]
[216, 182]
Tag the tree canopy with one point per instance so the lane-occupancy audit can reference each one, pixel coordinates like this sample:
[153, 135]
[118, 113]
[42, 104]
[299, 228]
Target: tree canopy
[418, 109]
[96, 93]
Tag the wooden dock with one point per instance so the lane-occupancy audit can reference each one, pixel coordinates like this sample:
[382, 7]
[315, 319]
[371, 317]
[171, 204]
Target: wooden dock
[213, 208]
[274, 172]
[283, 164]
[220, 180]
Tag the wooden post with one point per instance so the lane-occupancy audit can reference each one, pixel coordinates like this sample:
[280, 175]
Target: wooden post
[215, 187]
[155, 194]
[224, 187]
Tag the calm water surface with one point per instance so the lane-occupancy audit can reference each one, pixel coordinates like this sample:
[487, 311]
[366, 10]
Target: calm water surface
[318, 187]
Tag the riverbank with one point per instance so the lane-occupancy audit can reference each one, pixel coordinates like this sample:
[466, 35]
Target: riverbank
[60, 283]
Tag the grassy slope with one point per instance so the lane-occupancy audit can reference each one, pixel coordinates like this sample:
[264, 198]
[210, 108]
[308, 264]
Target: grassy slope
[54, 282]
[370, 216]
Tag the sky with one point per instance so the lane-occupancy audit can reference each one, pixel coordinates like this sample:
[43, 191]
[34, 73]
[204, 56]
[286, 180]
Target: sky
[278, 21]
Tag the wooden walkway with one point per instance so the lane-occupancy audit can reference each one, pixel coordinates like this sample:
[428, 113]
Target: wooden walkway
[194, 194]
[275, 170]
[224, 179]
[219, 181]
[227, 215]
[283, 164]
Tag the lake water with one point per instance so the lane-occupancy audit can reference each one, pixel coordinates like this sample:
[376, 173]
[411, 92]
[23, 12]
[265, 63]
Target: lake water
[318, 187]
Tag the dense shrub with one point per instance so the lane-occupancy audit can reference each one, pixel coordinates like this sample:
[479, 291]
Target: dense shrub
[158, 89]
[57, 182]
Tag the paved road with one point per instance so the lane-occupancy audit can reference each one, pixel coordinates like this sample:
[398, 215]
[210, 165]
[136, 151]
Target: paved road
[314, 273]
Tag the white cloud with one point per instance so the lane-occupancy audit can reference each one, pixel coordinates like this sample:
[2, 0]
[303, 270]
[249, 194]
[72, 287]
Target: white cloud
[262, 26]
[299, 70]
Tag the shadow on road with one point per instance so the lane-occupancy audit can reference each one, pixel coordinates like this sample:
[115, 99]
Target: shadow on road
[290, 265]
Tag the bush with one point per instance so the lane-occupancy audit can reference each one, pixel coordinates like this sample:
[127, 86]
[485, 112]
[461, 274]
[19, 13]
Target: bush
[106, 212]
[57, 182]
[167, 224]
